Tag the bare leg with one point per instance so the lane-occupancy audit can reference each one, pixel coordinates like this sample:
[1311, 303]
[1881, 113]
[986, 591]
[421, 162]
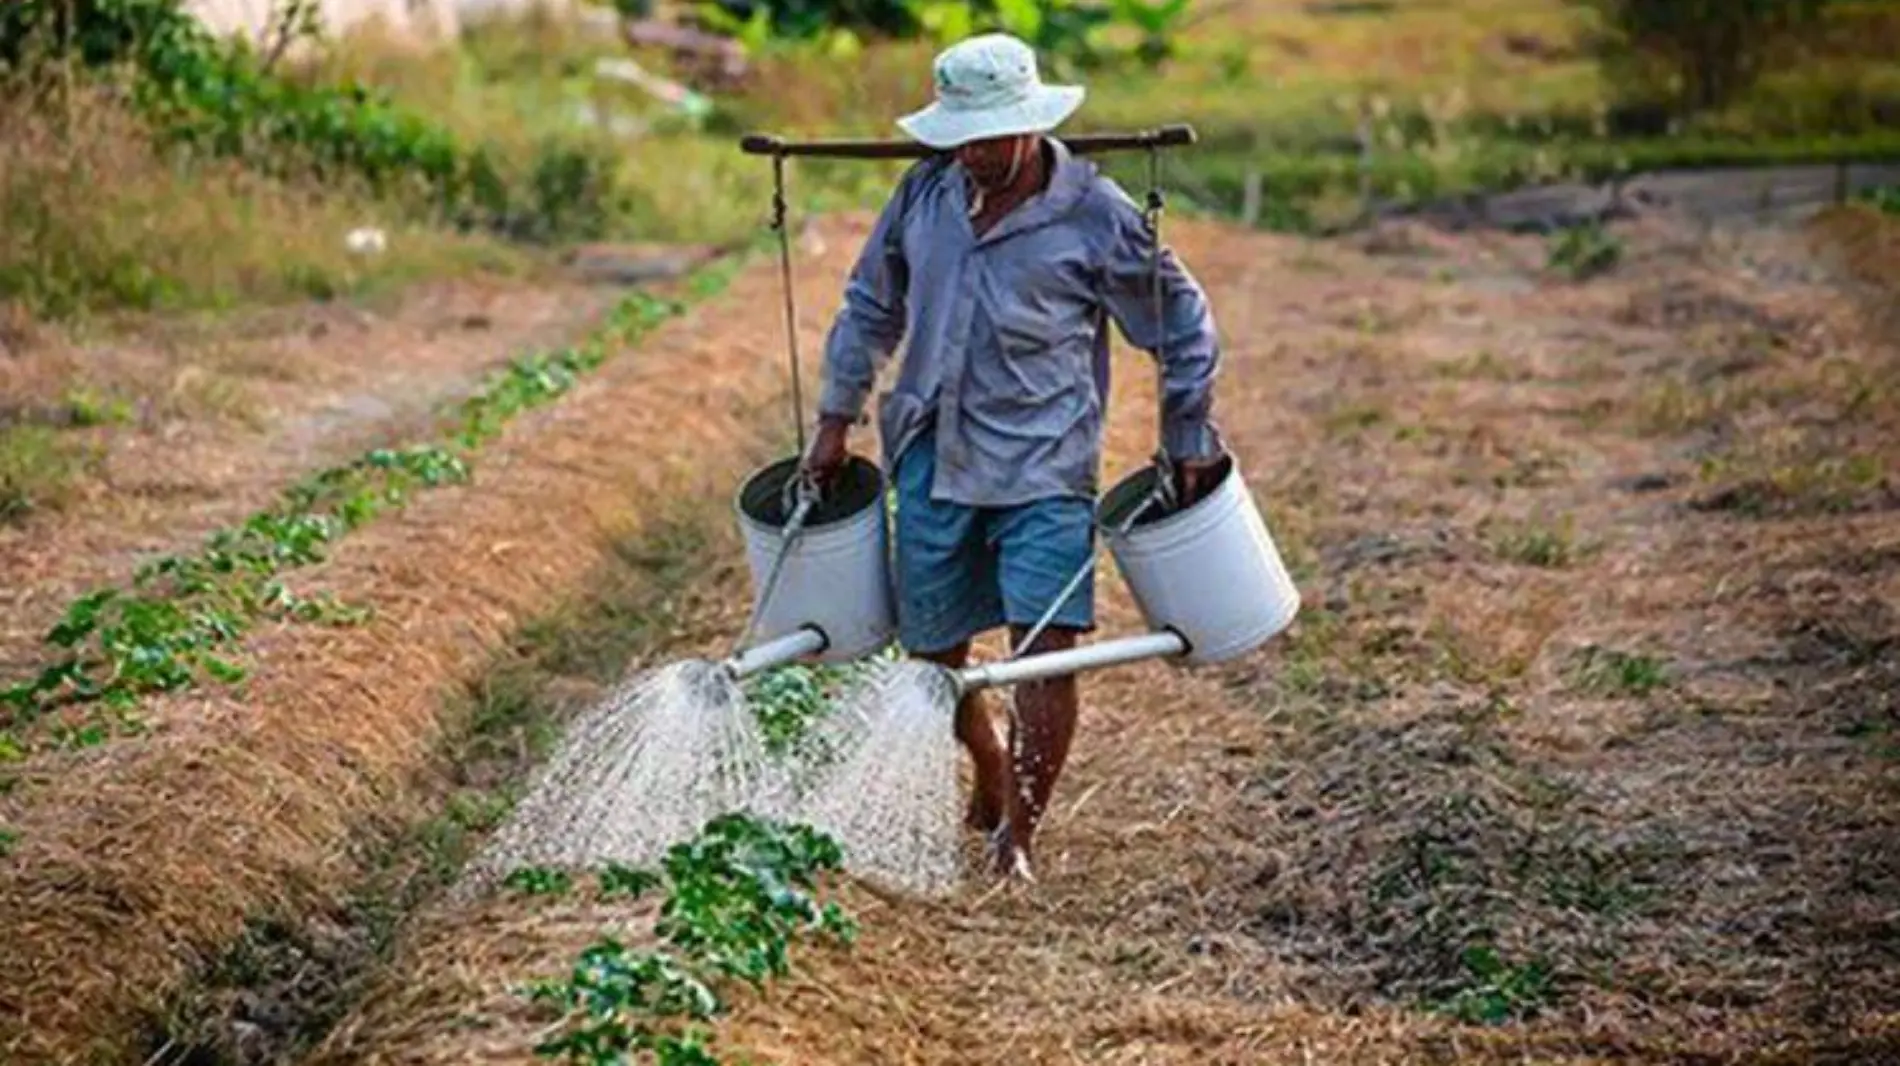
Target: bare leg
[1040, 733]
[976, 731]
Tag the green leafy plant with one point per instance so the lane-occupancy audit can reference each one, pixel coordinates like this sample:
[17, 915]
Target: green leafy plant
[785, 701]
[539, 881]
[1581, 252]
[740, 892]
[613, 997]
[1158, 23]
[220, 97]
[1494, 991]
[1885, 199]
[788, 700]
[1613, 672]
[738, 895]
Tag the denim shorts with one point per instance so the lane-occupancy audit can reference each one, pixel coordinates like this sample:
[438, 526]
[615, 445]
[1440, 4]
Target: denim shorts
[962, 571]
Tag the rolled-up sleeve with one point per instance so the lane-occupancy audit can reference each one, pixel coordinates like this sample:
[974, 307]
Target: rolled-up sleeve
[1190, 358]
[870, 323]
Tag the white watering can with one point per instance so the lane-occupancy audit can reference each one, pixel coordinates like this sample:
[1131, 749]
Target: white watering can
[820, 567]
[1208, 579]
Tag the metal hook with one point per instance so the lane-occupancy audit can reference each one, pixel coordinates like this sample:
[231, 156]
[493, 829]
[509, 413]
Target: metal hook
[801, 491]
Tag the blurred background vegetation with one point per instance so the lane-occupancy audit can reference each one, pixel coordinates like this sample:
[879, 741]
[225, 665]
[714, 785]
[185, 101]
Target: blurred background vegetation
[146, 163]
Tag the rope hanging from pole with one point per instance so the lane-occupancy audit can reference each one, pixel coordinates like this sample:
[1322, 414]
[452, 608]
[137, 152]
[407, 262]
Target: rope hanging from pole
[1164, 469]
[791, 311]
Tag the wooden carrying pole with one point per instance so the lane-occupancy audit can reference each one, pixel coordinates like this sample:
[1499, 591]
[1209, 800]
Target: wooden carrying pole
[1082, 144]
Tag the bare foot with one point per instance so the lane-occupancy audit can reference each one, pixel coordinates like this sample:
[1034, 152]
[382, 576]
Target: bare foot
[985, 812]
[1007, 859]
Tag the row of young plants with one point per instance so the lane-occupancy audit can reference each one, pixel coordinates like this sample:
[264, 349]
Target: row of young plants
[221, 97]
[737, 897]
[174, 625]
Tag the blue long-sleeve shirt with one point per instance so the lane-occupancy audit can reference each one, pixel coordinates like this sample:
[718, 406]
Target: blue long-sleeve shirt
[1008, 346]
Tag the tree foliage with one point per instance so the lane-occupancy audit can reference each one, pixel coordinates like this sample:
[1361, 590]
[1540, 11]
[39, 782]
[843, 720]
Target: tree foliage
[1701, 54]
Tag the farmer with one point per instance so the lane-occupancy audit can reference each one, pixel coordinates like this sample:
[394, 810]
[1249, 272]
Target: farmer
[1002, 258]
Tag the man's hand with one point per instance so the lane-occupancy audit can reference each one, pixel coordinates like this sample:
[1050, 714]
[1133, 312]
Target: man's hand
[826, 454]
[1196, 478]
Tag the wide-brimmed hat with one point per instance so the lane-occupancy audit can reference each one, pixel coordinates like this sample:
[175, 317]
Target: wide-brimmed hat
[989, 86]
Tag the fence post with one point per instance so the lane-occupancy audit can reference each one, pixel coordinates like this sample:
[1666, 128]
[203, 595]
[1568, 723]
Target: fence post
[1365, 163]
[1250, 199]
[1840, 181]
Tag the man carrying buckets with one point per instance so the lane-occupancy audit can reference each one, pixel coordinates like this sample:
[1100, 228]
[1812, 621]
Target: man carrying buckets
[1001, 258]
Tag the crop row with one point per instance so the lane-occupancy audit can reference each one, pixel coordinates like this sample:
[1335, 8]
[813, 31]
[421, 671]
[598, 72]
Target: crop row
[171, 627]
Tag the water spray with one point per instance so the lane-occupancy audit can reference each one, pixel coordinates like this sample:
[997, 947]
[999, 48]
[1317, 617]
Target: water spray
[676, 745]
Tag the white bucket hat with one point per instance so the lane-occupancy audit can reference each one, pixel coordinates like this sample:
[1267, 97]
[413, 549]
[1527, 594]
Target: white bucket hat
[988, 86]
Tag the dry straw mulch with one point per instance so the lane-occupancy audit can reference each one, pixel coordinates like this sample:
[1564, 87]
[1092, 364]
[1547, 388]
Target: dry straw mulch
[138, 861]
[1587, 726]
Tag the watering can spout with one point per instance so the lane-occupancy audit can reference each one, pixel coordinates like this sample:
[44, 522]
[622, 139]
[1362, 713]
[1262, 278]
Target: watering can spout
[798, 644]
[1121, 651]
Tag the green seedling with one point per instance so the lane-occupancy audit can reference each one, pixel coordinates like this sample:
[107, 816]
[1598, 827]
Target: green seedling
[1493, 991]
[539, 881]
[738, 895]
[1583, 252]
[1607, 671]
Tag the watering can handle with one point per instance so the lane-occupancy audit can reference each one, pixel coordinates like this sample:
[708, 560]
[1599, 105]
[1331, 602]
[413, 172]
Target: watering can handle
[801, 489]
[1165, 480]
[801, 495]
